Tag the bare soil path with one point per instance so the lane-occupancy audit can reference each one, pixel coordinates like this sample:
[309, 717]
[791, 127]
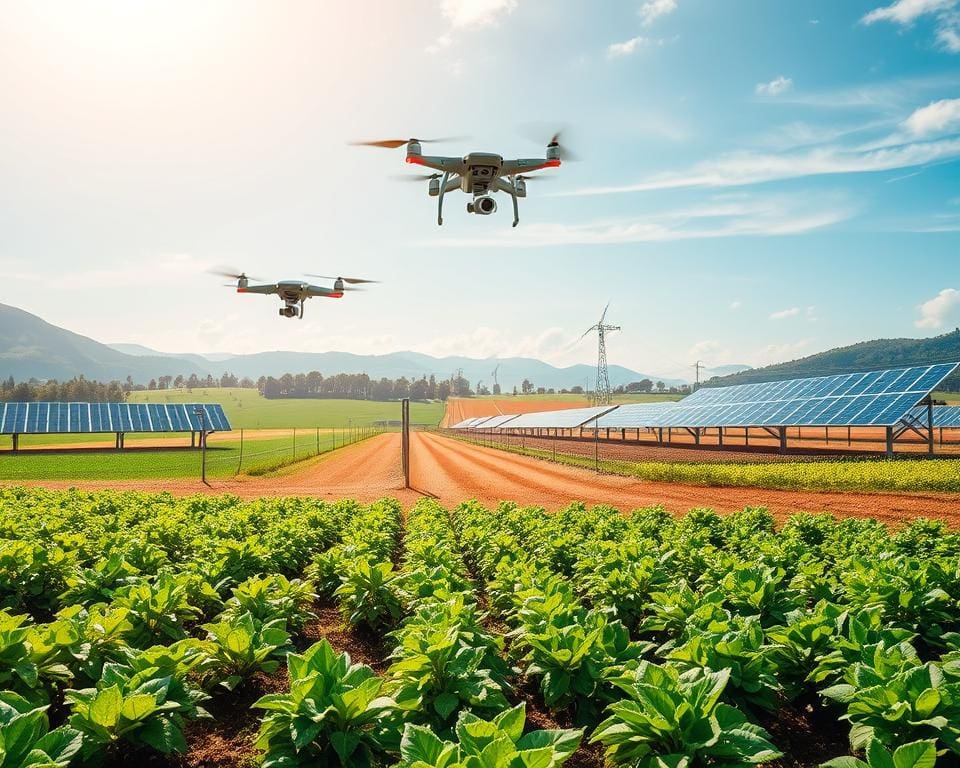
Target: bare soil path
[452, 471]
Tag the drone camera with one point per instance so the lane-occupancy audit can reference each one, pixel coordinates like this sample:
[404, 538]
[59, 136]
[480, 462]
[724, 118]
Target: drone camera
[484, 205]
[289, 312]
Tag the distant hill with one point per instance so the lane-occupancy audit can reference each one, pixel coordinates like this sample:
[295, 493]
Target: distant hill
[33, 348]
[865, 356]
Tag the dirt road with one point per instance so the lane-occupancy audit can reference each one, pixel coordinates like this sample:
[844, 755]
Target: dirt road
[452, 471]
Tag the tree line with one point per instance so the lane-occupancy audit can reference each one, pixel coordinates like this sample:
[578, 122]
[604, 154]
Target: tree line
[77, 389]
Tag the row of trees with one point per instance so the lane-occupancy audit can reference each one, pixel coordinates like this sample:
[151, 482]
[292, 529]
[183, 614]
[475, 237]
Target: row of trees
[78, 389]
[359, 386]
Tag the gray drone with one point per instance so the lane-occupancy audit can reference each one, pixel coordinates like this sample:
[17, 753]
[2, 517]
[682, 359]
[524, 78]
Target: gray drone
[295, 292]
[480, 174]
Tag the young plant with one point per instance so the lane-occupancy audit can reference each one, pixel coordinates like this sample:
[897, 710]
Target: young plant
[158, 609]
[26, 739]
[497, 743]
[367, 595]
[916, 754]
[677, 720]
[240, 646]
[333, 715]
[268, 598]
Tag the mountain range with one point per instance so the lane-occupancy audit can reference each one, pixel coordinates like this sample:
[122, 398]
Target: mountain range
[33, 348]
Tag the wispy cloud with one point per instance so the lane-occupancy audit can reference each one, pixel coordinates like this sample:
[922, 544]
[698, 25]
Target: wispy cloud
[735, 305]
[935, 312]
[470, 13]
[783, 314]
[654, 9]
[628, 47]
[775, 87]
[906, 12]
[937, 118]
[745, 216]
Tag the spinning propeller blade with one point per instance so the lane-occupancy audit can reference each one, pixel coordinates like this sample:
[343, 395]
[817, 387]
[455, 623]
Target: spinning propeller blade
[230, 272]
[416, 177]
[348, 280]
[536, 132]
[397, 143]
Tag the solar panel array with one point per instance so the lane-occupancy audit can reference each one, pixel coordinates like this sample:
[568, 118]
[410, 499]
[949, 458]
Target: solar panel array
[495, 422]
[877, 398]
[569, 418]
[943, 416]
[54, 418]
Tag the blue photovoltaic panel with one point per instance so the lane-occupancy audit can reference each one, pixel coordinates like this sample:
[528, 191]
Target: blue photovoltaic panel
[568, 418]
[495, 422]
[44, 418]
[876, 398]
[464, 424]
[943, 416]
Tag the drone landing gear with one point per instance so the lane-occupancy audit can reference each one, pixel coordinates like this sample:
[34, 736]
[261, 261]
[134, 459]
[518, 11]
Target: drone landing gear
[443, 191]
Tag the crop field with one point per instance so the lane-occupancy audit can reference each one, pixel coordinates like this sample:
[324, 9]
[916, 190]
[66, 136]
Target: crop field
[224, 458]
[296, 632]
[245, 408]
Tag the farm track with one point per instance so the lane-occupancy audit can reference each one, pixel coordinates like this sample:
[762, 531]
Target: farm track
[453, 471]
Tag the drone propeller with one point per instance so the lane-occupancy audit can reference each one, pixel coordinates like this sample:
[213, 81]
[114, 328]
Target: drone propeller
[565, 154]
[397, 143]
[416, 177]
[537, 130]
[536, 178]
[230, 272]
[348, 280]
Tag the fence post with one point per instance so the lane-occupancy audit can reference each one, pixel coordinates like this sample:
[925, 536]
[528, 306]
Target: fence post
[294, 442]
[405, 440]
[240, 462]
[318, 441]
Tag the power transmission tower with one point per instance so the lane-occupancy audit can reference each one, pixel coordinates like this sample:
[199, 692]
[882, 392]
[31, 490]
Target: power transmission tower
[697, 366]
[495, 382]
[601, 395]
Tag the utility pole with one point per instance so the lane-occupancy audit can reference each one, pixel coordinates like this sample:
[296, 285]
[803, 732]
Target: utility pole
[494, 374]
[601, 395]
[697, 366]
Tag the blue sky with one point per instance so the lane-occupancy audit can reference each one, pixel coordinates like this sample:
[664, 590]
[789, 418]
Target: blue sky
[760, 180]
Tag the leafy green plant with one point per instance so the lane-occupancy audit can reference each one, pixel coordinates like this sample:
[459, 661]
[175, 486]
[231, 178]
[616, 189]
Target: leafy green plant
[99, 582]
[158, 609]
[674, 720]
[333, 714]
[31, 574]
[240, 646]
[897, 707]
[26, 739]
[496, 743]
[916, 754]
[268, 598]
[367, 596]
[130, 707]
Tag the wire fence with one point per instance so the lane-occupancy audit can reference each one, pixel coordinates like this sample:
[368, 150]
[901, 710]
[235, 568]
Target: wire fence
[260, 454]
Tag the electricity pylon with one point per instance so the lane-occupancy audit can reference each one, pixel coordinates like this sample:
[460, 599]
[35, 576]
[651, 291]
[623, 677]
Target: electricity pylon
[601, 395]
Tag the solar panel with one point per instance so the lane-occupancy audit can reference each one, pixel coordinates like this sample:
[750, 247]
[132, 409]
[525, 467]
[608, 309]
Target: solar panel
[495, 422]
[943, 416]
[876, 398]
[467, 422]
[60, 418]
[568, 418]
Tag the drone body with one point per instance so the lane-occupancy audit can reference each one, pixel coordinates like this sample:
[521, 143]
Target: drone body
[480, 174]
[294, 293]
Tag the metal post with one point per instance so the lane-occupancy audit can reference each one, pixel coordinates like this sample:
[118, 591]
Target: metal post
[720, 436]
[199, 412]
[294, 442]
[405, 441]
[240, 462]
[889, 442]
[596, 448]
[930, 426]
[318, 441]
[16, 442]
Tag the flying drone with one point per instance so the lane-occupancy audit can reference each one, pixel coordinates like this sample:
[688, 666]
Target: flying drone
[295, 292]
[481, 174]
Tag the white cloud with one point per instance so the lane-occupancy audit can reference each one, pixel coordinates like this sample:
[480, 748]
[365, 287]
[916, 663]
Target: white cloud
[783, 314]
[779, 353]
[935, 312]
[775, 87]
[905, 12]
[742, 217]
[747, 167]
[484, 341]
[811, 314]
[627, 47]
[938, 117]
[654, 9]
[441, 43]
[736, 305]
[470, 13]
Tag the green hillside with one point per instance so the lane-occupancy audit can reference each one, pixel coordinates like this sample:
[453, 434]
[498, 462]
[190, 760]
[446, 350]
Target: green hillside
[865, 356]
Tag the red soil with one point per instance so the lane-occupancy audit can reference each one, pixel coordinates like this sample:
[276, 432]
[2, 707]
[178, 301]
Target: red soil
[453, 471]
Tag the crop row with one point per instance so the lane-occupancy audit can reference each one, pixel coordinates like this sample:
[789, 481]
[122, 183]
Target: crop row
[667, 641]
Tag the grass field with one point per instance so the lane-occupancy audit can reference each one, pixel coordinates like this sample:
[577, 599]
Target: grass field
[951, 398]
[245, 408]
[223, 460]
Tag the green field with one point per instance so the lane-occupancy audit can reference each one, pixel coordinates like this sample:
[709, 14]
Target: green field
[246, 409]
[223, 460]
[951, 398]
